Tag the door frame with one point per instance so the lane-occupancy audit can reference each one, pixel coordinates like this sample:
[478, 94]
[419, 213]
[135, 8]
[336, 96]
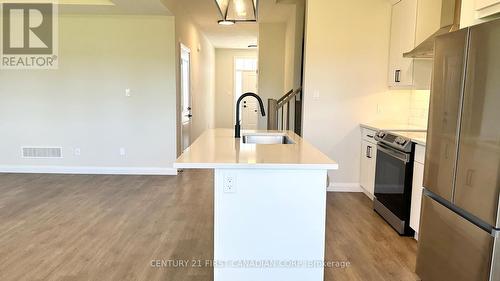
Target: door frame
[183, 48]
[235, 58]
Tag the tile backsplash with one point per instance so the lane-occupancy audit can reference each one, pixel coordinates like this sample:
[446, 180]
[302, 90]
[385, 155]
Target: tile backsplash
[419, 108]
[404, 106]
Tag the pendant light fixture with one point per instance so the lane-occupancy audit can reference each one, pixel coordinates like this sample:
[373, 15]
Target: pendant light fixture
[233, 11]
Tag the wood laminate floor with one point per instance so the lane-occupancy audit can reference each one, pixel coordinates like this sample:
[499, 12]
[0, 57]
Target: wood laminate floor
[81, 227]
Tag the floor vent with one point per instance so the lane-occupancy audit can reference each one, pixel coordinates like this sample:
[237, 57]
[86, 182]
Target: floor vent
[42, 152]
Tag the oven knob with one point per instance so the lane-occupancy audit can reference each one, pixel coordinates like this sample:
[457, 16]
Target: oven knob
[381, 135]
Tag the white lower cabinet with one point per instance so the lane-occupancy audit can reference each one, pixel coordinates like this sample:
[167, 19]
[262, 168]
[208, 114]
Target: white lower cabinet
[368, 164]
[417, 189]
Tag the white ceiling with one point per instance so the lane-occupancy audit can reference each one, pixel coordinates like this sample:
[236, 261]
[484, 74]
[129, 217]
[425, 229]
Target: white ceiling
[106, 7]
[204, 13]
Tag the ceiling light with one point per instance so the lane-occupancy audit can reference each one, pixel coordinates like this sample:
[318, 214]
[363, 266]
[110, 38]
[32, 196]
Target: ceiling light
[226, 22]
[238, 10]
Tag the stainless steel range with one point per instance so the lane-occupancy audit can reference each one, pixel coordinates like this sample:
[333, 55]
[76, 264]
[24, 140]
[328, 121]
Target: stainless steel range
[393, 180]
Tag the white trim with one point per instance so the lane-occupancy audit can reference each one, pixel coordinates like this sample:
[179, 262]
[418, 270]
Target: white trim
[89, 170]
[344, 187]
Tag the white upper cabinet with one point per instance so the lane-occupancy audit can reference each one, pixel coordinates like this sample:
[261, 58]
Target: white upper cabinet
[487, 8]
[403, 28]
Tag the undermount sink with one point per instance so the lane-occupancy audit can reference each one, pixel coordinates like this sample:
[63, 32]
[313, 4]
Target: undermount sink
[267, 139]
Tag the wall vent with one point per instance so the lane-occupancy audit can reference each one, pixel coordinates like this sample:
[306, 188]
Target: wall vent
[42, 152]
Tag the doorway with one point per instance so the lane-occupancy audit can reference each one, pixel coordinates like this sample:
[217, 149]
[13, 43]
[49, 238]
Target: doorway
[186, 110]
[245, 81]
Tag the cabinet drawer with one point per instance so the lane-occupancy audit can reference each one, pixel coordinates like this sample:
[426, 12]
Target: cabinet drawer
[368, 135]
[420, 154]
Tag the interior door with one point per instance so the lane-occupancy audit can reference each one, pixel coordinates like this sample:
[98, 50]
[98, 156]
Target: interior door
[186, 109]
[250, 109]
[446, 93]
[478, 173]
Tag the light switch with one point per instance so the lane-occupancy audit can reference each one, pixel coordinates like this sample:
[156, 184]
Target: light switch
[122, 151]
[128, 93]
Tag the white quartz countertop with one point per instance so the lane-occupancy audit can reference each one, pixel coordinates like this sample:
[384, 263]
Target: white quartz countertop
[217, 148]
[391, 126]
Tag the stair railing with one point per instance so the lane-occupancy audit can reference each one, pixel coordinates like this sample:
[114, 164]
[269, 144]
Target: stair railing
[280, 111]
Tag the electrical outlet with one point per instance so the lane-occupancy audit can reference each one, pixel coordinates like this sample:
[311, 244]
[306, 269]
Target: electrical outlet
[229, 184]
[77, 151]
[316, 95]
[122, 151]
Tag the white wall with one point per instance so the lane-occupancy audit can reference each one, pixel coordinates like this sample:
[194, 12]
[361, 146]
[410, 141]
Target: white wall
[289, 68]
[346, 61]
[224, 84]
[83, 103]
[202, 70]
[271, 63]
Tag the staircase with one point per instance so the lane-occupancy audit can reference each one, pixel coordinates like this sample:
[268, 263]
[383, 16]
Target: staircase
[286, 112]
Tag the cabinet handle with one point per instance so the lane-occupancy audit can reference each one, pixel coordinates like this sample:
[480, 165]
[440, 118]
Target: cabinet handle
[370, 136]
[397, 76]
[368, 152]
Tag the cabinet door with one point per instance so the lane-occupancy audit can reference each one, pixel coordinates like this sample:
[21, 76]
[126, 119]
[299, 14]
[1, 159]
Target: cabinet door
[416, 195]
[368, 162]
[403, 27]
[487, 8]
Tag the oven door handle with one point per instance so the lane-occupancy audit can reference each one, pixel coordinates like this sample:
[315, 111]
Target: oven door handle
[396, 154]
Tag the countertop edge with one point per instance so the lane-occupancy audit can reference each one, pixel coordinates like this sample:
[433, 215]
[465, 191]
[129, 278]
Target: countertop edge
[262, 166]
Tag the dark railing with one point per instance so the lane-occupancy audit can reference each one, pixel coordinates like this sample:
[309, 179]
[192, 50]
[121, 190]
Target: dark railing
[281, 111]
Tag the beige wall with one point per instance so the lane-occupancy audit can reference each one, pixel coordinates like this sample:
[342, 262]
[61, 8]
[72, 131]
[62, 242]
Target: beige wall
[224, 84]
[346, 60]
[202, 70]
[289, 68]
[272, 39]
[83, 103]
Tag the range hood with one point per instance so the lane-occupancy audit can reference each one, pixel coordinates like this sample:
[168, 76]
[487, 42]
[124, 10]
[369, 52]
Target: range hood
[450, 21]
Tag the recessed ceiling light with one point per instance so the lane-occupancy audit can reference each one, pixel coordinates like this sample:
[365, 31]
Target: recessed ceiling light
[226, 22]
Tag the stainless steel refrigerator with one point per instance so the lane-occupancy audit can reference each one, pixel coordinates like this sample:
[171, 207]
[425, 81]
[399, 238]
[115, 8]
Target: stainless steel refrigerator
[460, 221]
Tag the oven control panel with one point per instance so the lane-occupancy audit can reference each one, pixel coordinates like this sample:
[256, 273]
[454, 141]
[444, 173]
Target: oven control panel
[393, 140]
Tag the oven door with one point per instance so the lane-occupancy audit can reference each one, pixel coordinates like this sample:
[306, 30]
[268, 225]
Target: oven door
[391, 178]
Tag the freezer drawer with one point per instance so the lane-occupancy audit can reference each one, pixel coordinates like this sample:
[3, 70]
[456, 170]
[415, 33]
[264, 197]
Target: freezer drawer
[450, 247]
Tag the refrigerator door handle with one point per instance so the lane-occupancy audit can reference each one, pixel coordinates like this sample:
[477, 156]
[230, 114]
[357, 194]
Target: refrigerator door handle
[470, 175]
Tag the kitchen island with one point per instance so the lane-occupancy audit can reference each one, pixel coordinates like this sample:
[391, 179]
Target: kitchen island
[269, 205]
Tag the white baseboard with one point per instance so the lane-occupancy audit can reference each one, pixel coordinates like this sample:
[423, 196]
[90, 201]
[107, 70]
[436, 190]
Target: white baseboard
[344, 187]
[89, 170]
